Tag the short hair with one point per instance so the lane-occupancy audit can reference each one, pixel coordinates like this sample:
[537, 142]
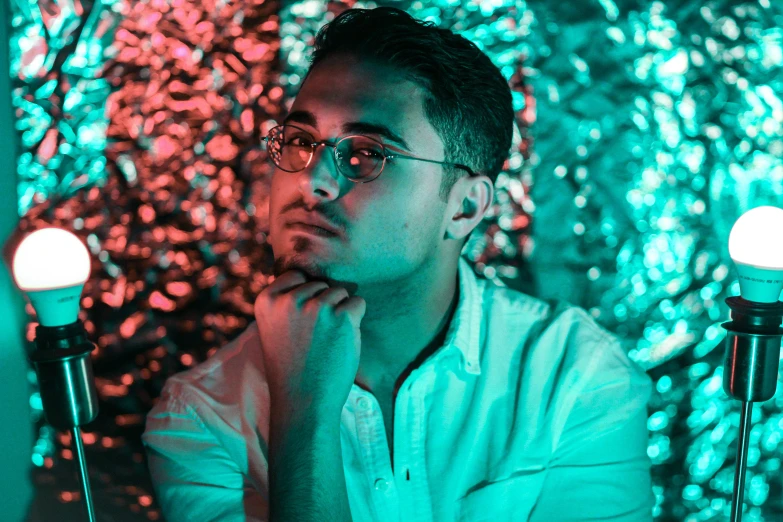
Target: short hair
[467, 99]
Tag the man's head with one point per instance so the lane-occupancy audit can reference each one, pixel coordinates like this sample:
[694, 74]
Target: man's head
[421, 91]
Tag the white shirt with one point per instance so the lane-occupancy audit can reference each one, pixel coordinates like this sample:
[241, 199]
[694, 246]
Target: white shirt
[529, 411]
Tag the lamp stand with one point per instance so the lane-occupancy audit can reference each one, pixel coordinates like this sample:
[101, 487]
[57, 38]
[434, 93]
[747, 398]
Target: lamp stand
[76, 433]
[750, 371]
[67, 386]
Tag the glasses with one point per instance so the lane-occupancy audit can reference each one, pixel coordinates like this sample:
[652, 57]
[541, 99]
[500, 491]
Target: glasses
[359, 158]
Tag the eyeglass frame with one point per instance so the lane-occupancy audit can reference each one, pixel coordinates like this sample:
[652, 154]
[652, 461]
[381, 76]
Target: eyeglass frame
[386, 156]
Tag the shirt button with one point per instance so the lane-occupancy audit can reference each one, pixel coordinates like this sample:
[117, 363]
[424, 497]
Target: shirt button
[381, 484]
[363, 404]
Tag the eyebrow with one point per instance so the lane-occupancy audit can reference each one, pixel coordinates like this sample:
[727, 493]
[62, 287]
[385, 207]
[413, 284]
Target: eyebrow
[359, 127]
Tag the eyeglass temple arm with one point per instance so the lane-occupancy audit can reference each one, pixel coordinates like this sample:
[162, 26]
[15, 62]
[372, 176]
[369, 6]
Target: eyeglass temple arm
[457, 165]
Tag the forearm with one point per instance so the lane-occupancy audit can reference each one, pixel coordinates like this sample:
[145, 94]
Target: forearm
[306, 477]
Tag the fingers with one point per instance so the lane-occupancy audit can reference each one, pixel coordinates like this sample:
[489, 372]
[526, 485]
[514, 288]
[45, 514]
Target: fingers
[355, 307]
[303, 292]
[294, 283]
[333, 296]
[285, 282]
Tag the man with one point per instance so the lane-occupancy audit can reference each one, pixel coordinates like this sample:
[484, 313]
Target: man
[382, 379]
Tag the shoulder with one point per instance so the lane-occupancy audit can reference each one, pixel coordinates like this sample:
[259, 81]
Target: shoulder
[225, 391]
[531, 324]
[567, 333]
[558, 347]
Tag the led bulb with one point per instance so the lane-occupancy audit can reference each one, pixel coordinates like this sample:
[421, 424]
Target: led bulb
[756, 247]
[51, 266]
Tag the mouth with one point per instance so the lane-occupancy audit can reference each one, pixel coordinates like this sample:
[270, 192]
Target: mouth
[311, 229]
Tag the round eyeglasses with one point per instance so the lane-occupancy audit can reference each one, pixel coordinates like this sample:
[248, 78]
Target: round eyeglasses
[361, 159]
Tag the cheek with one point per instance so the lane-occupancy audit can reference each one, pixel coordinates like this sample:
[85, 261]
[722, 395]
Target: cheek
[276, 185]
[410, 221]
[278, 197]
[279, 193]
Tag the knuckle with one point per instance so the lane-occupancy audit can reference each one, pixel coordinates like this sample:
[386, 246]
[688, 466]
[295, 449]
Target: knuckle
[312, 305]
[323, 295]
[286, 301]
[262, 301]
[320, 288]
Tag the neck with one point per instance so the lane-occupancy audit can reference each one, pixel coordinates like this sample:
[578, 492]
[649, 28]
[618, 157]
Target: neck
[405, 324]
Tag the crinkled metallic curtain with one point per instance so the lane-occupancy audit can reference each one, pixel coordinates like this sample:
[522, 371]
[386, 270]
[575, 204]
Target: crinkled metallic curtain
[643, 130]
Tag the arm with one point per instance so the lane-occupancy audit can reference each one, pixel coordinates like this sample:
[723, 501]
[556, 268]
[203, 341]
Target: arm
[310, 345]
[193, 475]
[600, 470]
[306, 477]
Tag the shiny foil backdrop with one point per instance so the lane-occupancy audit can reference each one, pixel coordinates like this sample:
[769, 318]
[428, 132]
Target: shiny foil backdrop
[643, 130]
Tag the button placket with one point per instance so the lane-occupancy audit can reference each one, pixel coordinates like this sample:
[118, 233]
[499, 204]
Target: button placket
[402, 445]
[419, 483]
[375, 455]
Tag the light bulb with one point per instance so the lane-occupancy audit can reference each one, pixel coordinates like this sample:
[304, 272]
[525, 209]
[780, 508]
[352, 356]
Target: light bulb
[756, 247]
[51, 266]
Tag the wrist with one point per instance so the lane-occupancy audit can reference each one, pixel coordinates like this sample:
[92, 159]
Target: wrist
[303, 414]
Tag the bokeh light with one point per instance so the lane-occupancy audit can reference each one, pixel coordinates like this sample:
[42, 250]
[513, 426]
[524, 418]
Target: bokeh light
[643, 131]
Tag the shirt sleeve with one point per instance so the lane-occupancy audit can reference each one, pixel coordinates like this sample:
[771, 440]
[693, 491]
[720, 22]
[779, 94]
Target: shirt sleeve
[600, 468]
[193, 475]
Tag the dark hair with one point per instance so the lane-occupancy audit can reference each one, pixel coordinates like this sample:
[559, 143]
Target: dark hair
[467, 100]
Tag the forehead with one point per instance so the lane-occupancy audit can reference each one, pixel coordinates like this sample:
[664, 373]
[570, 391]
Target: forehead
[343, 88]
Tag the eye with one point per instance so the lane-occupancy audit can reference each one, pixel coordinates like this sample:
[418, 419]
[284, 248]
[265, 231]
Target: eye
[298, 141]
[369, 152]
[364, 147]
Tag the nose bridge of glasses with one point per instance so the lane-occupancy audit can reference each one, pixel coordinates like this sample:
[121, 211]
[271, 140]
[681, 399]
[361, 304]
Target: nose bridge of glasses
[316, 158]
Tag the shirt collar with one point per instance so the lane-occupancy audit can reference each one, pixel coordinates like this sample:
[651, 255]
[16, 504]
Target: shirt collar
[464, 331]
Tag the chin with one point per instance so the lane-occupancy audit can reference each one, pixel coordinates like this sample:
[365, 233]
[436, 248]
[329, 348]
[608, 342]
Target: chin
[305, 263]
[316, 270]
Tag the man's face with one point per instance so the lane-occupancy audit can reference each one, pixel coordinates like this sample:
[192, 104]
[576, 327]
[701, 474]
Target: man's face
[387, 228]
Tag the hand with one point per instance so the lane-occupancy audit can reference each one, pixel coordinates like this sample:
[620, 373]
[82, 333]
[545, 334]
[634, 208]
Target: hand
[311, 342]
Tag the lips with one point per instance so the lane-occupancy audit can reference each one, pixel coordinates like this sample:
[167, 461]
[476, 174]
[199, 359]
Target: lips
[311, 229]
[312, 221]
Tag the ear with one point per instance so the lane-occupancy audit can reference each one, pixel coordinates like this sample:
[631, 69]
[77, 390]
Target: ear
[469, 201]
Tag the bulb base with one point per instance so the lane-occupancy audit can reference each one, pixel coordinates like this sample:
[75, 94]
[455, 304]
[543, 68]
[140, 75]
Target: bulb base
[65, 377]
[57, 306]
[760, 285]
[753, 338]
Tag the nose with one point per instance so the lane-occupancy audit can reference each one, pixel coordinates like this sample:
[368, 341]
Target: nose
[320, 181]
